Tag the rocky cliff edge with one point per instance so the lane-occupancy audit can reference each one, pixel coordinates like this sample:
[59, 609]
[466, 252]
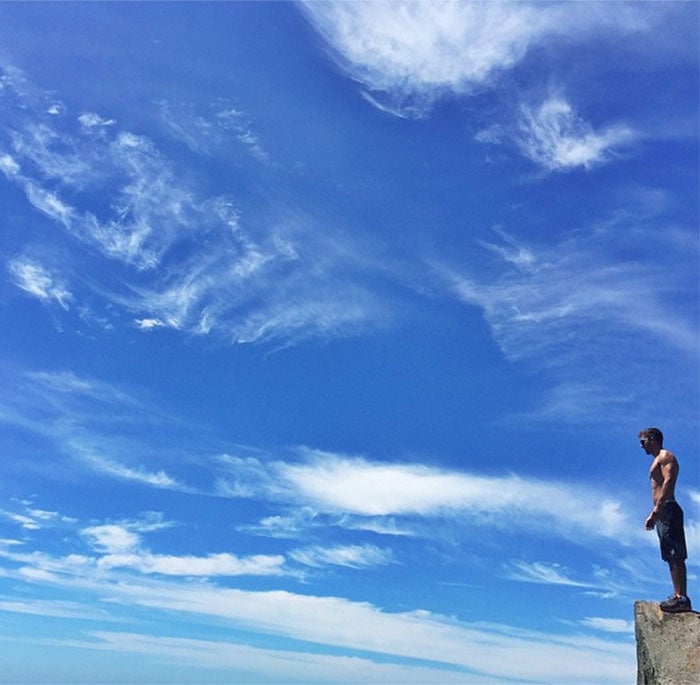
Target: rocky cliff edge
[668, 646]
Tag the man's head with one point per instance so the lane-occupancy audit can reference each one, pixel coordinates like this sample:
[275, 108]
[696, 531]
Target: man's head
[651, 440]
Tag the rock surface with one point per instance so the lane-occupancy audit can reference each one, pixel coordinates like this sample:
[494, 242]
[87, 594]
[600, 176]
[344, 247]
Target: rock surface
[668, 646]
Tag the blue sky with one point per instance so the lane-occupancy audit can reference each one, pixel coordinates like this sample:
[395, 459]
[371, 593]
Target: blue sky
[328, 331]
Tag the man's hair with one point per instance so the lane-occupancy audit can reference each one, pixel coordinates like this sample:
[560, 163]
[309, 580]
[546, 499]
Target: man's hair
[655, 434]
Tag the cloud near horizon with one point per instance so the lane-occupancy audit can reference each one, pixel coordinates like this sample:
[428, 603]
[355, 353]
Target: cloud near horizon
[322, 620]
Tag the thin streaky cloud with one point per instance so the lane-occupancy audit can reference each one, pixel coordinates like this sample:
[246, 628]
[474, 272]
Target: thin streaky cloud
[355, 487]
[351, 556]
[278, 665]
[54, 608]
[573, 287]
[139, 474]
[211, 129]
[541, 573]
[417, 634]
[85, 420]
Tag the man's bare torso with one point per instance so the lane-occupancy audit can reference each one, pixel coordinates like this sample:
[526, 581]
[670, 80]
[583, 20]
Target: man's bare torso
[664, 469]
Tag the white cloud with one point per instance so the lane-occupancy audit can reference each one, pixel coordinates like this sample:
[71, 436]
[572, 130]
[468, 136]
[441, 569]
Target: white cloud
[54, 608]
[211, 130]
[148, 324]
[157, 479]
[177, 257]
[351, 556]
[408, 54]
[553, 136]
[38, 281]
[692, 525]
[50, 204]
[56, 109]
[222, 564]
[577, 308]
[34, 519]
[610, 625]
[275, 665]
[91, 121]
[112, 538]
[521, 256]
[341, 623]
[7, 542]
[565, 287]
[26, 522]
[121, 546]
[47, 154]
[359, 489]
[150, 209]
[9, 166]
[540, 572]
[334, 622]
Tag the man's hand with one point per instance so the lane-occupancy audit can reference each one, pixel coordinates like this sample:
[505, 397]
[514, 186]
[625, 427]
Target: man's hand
[649, 523]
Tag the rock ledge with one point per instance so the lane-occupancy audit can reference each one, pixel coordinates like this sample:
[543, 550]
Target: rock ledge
[668, 646]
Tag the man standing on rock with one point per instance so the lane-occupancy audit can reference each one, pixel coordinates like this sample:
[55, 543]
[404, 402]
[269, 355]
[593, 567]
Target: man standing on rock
[667, 517]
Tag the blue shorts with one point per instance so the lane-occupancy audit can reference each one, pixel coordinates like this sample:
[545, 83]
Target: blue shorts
[669, 527]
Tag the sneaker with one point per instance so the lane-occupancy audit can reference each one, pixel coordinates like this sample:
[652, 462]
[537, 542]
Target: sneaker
[675, 605]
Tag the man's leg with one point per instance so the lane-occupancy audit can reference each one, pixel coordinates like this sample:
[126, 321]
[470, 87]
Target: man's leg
[678, 577]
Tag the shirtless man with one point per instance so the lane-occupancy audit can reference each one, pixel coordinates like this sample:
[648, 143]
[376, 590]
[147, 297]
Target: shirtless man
[667, 516]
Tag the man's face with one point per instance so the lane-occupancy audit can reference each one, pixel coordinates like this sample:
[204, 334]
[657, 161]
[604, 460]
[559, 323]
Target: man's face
[647, 443]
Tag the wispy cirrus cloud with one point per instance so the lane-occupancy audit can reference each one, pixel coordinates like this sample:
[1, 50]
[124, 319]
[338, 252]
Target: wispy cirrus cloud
[39, 281]
[87, 421]
[169, 254]
[553, 136]
[543, 573]
[210, 129]
[408, 55]
[557, 139]
[211, 565]
[316, 488]
[351, 556]
[32, 518]
[575, 309]
[44, 162]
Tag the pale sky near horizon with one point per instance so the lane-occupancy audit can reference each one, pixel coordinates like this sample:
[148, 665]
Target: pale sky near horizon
[329, 328]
